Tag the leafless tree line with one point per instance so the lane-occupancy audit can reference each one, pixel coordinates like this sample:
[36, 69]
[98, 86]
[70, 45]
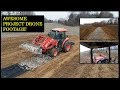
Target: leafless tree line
[74, 19]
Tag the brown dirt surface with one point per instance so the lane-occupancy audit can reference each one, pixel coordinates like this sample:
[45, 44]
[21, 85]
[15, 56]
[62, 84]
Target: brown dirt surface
[100, 71]
[103, 33]
[65, 65]
[98, 34]
[85, 30]
[111, 30]
[10, 51]
[47, 70]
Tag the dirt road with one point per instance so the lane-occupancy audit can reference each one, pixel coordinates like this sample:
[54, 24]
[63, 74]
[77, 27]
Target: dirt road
[98, 34]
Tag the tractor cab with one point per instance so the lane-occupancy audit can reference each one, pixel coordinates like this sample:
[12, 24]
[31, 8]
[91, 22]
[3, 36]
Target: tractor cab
[58, 34]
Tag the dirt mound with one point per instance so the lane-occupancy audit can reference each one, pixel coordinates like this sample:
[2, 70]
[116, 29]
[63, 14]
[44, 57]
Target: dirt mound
[85, 31]
[112, 31]
[105, 32]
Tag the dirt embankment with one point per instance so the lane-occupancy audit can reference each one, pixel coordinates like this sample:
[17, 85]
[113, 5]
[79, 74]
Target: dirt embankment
[105, 32]
[98, 35]
[111, 30]
[85, 31]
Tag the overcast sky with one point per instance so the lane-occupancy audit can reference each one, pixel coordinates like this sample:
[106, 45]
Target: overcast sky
[83, 48]
[92, 20]
[55, 15]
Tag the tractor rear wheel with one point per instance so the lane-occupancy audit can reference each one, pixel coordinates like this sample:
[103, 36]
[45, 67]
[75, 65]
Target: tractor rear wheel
[66, 47]
[54, 52]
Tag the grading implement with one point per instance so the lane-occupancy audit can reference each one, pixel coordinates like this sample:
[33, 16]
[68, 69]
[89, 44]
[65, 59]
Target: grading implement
[56, 41]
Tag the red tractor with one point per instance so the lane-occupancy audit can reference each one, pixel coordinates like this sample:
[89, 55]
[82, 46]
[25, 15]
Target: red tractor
[56, 41]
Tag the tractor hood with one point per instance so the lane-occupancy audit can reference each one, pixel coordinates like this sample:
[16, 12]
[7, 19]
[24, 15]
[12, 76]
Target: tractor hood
[48, 43]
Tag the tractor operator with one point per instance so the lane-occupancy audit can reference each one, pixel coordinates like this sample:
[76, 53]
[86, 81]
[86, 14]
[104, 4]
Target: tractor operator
[59, 37]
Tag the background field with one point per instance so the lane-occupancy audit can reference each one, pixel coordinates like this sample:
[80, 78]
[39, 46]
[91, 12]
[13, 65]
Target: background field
[48, 26]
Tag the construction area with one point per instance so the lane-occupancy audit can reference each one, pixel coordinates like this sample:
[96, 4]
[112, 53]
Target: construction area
[64, 65]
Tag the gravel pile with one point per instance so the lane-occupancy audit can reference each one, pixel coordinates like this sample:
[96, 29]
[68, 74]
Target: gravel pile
[34, 62]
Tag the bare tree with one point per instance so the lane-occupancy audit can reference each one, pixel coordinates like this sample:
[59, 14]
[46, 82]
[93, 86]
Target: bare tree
[105, 14]
[71, 19]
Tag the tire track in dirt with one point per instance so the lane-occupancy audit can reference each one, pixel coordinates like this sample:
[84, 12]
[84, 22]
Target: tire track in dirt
[112, 67]
[50, 70]
[47, 70]
[87, 71]
[10, 51]
[100, 71]
[64, 59]
[112, 31]
[80, 70]
[71, 71]
[95, 71]
[67, 67]
[13, 58]
[98, 34]
[105, 71]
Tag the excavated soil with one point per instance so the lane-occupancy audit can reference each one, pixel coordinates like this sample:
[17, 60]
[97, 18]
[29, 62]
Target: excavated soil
[102, 33]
